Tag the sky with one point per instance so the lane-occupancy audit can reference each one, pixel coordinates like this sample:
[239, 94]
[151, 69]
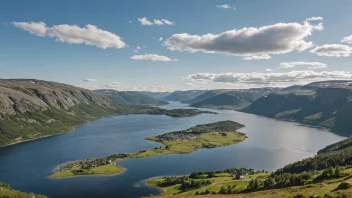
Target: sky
[160, 45]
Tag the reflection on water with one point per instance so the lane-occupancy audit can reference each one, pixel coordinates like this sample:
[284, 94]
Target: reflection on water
[271, 145]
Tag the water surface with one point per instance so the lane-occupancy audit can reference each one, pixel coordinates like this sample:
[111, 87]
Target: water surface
[271, 144]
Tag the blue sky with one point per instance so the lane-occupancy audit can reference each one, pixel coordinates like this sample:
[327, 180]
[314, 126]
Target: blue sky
[202, 62]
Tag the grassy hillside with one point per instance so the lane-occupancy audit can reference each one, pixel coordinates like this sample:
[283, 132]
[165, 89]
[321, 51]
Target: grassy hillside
[130, 97]
[330, 107]
[184, 95]
[328, 174]
[6, 192]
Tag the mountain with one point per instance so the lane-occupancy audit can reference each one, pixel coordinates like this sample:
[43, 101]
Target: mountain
[233, 99]
[156, 95]
[329, 107]
[32, 109]
[130, 97]
[330, 83]
[229, 98]
[184, 95]
[291, 88]
[206, 95]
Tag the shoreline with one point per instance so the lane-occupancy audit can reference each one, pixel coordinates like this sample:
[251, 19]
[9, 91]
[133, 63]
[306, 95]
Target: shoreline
[220, 139]
[46, 136]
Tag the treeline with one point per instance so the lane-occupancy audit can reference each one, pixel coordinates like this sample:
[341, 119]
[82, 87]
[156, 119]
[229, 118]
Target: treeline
[342, 157]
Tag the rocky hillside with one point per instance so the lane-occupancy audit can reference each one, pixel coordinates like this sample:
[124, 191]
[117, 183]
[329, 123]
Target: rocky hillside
[130, 97]
[329, 107]
[32, 109]
[184, 95]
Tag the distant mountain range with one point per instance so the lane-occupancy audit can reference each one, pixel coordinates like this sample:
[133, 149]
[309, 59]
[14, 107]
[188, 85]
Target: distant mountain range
[327, 104]
[130, 97]
[184, 95]
[229, 99]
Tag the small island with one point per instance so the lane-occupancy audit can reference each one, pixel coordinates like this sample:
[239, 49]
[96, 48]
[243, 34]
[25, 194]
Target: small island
[211, 135]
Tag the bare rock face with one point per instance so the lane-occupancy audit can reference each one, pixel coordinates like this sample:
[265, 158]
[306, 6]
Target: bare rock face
[21, 96]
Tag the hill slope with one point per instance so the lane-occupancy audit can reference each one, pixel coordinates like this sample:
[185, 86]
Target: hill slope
[234, 99]
[329, 107]
[130, 97]
[31, 109]
[206, 95]
[184, 95]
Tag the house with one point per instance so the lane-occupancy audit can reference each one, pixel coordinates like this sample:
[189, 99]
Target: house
[239, 176]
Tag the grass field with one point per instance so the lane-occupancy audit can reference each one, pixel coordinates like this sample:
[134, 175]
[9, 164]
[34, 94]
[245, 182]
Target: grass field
[336, 187]
[110, 169]
[7, 192]
[220, 180]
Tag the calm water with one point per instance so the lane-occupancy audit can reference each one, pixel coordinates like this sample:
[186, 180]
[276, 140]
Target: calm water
[271, 145]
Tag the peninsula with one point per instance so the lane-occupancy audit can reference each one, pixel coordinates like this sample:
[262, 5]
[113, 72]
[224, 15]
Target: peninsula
[211, 135]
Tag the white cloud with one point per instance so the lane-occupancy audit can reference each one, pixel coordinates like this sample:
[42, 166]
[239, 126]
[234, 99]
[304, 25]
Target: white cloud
[309, 65]
[167, 22]
[138, 48]
[73, 34]
[278, 79]
[347, 39]
[249, 43]
[224, 6]
[190, 84]
[317, 18]
[159, 88]
[158, 22]
[268, 70]
[161, 38]
[152, 57]
[257, 57]
[38, 29]
[335, 50]
[147, 22]
[89, 80]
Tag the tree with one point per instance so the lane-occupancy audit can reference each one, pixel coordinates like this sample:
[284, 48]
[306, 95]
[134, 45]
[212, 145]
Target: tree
[269, 182]
[337, 172]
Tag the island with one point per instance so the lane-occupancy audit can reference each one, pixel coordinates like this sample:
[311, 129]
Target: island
[211, 135]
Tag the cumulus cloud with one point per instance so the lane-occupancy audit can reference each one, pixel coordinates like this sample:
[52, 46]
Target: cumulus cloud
[249, 43]
[270, 78]
[152, 57]
[89, 80]
[347, 39]
[147, 22]
[309, 65]
[225, 6]
[161, 38]
[73, 34]
[268, 70]
[335, 50]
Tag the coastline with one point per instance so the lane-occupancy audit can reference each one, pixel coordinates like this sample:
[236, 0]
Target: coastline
[46, 136]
